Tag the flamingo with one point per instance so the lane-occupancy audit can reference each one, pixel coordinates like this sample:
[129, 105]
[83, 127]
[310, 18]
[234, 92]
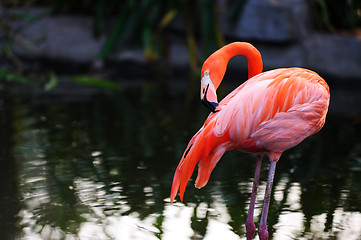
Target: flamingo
[268, 114]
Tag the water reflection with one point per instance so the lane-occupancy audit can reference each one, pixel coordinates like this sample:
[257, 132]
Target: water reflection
[102, 169]
[9, 197]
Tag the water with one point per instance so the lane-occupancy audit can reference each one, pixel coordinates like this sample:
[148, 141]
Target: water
[101, 166]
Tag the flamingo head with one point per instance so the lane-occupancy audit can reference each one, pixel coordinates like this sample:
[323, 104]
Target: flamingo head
[208, 92]
[212, 73]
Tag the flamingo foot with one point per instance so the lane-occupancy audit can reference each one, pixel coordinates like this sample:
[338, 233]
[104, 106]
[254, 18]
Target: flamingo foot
[262, 232]
[250, 229]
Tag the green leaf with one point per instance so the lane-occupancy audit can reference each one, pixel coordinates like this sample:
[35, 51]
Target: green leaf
[52, 83]
[95, 82]
[15, 77]
[167, 18]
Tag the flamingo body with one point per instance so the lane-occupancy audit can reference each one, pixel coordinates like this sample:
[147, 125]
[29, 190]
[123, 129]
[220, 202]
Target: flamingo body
[269, 113]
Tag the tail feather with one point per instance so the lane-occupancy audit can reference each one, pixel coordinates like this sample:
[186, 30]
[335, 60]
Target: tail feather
[203, 147]
[189, 164]
[205, 167]
[179, 171]
[175, 186]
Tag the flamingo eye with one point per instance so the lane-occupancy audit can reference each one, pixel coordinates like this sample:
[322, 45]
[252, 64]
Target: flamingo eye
[206, 73]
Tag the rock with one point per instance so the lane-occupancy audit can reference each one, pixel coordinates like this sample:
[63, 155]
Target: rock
[271, 20]
[64, 37]
[332, 54]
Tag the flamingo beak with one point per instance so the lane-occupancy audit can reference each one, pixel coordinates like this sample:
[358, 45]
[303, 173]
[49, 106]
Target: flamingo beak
[208, 94]
[210, 100]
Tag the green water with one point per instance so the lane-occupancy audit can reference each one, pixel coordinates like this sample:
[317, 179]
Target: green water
[100, 167]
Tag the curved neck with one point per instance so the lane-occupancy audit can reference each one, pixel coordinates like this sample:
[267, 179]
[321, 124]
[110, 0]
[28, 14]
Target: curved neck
[217, 62]
[253, 56]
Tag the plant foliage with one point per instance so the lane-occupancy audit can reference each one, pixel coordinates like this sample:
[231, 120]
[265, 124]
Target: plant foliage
[337, 14]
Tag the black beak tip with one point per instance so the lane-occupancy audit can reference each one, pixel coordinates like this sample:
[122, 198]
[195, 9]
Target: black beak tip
[211, 105]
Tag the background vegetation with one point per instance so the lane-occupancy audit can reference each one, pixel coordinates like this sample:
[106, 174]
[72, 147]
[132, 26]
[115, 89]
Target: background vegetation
[142, 24]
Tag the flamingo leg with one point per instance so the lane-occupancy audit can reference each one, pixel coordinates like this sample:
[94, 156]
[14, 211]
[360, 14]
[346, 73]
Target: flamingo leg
[250, 227]
[262, 229]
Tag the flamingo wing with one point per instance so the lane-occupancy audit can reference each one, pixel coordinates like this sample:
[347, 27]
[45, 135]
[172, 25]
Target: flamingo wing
[300, 103]
[287, 129]
[274, 110]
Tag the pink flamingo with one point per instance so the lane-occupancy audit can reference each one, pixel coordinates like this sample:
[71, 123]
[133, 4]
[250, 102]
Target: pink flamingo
[268, 114]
